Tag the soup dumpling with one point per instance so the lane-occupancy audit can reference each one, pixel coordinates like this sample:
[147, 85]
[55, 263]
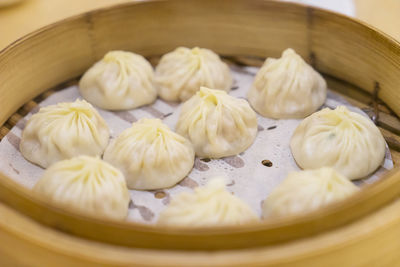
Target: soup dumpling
[87, 185]
[150, 155]
[305, 191]
[121, 80]
[210, 205]
[344, 140]
[63, 131]
[287, 88]
[217, 124]
[182, 72]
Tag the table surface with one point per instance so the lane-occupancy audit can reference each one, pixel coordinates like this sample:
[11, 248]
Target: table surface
[20, 19]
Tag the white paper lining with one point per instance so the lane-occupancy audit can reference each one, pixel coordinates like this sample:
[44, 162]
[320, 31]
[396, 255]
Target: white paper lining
[247, 178]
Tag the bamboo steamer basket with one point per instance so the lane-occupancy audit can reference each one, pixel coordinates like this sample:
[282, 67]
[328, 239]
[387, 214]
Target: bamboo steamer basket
[356, 59]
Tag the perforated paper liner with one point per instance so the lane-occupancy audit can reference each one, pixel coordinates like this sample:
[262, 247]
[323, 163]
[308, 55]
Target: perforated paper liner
[245, 174]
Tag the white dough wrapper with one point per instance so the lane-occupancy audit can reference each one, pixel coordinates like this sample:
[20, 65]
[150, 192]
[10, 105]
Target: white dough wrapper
[121, 80]
[210, 205]
[63, 131]
[87, 185]
[150, 155]
[181, 73]
[305, 191]
[339, 138]
[217, 124]
[287, 88]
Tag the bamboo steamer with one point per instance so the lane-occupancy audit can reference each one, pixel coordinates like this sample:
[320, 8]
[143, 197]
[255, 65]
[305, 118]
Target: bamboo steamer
[357, 60]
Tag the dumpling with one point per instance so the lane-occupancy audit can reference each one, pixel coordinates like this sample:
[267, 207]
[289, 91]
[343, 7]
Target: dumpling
[304, 191]
[217, 124]
[344, 140]
[121, 80]
[181, 72]
[150, 155]
[287, 88]
[210, 205]
[87, 185]
[63, 131]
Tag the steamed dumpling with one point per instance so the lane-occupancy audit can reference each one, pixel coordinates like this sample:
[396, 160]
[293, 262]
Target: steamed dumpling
[63, 131]
[217, 124]
[287, 88]
[304, 191]
[344, 140]
[87, 185]
[211, 205]
[150, 155]
[181, 72]
[119, 81]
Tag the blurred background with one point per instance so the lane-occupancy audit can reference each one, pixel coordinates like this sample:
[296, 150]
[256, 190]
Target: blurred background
[20, 17]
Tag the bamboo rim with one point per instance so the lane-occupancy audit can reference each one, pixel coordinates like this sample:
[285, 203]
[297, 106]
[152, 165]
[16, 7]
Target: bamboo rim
[270, 232]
